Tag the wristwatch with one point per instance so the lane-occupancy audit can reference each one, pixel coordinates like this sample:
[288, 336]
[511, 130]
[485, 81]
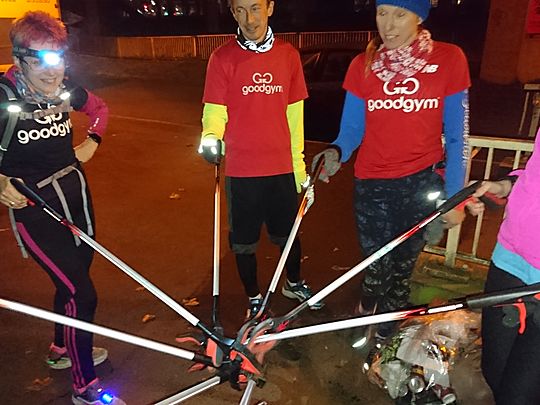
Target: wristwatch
[95, 137]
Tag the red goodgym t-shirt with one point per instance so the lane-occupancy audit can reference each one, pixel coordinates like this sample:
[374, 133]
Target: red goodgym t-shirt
[404, 119]
[256, 88]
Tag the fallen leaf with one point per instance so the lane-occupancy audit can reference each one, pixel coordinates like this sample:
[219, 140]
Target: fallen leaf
[196, 367]
[335, 267]
[190, 302]
[147, 318]
[38, 384]
[174, 196]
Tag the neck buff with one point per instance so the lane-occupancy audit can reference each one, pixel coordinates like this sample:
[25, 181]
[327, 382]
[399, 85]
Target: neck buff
[394, 65]
[264, 46]
[31, 95]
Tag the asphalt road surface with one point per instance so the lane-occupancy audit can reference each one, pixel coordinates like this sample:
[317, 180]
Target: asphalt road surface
[153, 198]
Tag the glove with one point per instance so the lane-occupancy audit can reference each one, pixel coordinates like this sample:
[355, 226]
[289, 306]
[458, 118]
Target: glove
[309, 190]
[331, 163]
[310, 193]
[434, 232]
[302, 183]
[212, 148]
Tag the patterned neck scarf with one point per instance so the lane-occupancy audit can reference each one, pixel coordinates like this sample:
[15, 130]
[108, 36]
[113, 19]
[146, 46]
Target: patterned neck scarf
[394, 65]
[31, 95]
[264, 46]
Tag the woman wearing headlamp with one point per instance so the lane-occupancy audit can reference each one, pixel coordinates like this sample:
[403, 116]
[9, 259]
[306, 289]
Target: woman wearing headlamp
[40, 59]
[36, 147]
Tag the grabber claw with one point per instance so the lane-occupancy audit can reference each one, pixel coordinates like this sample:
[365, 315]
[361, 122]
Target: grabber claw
[230, 354]
[246, 364]
[206, 346]
[200, 343]
[249, 355]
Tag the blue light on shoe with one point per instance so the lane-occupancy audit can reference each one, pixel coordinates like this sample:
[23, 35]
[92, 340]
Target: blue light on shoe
[106, 398]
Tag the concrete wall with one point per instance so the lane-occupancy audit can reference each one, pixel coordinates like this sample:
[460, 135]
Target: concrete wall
[528, 68]
[510, 54]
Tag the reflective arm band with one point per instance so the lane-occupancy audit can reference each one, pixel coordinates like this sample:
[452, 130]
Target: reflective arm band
[214, 120]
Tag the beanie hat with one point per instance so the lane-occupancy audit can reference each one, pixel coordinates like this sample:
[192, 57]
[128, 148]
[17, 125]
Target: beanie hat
[419, 7]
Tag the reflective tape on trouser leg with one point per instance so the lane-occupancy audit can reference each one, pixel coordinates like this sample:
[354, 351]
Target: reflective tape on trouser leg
[241, 249]
[278, 240]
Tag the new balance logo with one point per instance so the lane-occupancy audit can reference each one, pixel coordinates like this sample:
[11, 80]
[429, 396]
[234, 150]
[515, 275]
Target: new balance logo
[430, 69]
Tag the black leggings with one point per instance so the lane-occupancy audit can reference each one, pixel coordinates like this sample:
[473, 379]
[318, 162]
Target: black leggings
[54, 248]
[384, 209]
[510, 361]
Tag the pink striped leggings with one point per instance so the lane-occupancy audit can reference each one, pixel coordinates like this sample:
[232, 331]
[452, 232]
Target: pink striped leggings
[67, 263]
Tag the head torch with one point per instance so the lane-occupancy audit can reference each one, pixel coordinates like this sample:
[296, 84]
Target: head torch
[46, 57]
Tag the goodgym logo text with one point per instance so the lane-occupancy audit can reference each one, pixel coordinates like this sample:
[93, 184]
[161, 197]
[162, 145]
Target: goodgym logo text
[406, 88]
[53, 129]
[262, 83]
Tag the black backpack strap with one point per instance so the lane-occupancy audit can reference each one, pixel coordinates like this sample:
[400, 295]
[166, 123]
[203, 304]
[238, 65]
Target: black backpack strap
[5, 138]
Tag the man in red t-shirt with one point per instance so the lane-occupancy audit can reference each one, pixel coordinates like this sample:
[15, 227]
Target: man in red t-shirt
[253, 102]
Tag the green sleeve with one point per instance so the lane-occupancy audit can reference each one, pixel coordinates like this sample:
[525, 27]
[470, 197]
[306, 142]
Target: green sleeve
[214, 120]
[295, 118]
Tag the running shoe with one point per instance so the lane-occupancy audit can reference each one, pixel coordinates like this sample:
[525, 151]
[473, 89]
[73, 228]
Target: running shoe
[254, 308]
[300, 291]
[96, 395]
[58, 358]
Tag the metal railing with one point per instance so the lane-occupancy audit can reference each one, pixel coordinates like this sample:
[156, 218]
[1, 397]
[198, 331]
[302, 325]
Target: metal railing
[205, 44]
[202, 46]
[483, 151]
[360, 38]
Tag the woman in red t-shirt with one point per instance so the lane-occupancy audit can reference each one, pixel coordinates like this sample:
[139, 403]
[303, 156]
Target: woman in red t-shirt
[401, 94]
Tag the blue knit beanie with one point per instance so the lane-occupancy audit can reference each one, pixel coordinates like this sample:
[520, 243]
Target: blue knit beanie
[419, 7]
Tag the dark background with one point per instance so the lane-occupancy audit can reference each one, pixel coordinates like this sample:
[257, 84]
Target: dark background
[459, 21]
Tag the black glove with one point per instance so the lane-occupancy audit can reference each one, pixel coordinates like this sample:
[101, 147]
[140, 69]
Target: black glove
[212, 149]
[331, 164]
